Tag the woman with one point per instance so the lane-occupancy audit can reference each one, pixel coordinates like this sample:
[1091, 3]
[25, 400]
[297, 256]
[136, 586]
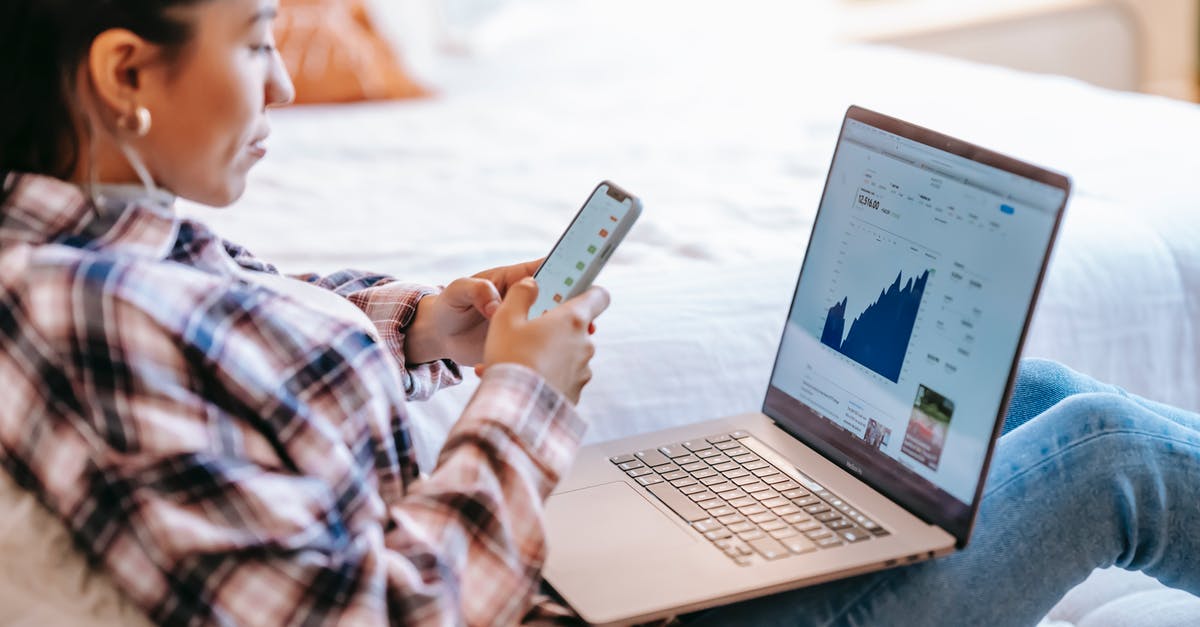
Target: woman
[232, 445]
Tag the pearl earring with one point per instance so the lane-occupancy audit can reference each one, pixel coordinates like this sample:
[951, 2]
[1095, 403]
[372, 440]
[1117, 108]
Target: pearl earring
[138, 122]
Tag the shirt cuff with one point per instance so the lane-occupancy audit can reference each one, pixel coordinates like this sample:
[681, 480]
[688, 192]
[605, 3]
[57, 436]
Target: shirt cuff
[392, 307]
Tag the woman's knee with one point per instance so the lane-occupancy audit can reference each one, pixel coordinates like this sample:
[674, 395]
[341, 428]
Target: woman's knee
[1103, 412]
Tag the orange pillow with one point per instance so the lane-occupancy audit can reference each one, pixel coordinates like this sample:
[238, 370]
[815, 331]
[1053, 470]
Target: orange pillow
[335, 54]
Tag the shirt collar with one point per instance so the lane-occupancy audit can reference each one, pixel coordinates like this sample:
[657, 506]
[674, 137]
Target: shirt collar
[116, 218]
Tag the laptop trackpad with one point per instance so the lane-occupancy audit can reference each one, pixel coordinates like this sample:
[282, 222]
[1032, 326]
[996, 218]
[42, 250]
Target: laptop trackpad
[607, 522]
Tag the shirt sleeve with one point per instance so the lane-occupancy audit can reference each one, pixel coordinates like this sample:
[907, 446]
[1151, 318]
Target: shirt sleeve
[225, 475]
[391, 310]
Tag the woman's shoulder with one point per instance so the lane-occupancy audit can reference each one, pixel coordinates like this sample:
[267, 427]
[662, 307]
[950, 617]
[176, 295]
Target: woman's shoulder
[63, 291]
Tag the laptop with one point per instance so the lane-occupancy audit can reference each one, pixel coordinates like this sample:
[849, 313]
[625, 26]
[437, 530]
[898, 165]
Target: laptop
[887, 395]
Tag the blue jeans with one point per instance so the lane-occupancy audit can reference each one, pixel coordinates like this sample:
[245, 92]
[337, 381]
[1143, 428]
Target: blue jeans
[1086, 476]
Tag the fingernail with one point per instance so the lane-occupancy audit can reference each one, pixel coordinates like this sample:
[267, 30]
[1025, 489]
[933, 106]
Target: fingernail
[489, 309]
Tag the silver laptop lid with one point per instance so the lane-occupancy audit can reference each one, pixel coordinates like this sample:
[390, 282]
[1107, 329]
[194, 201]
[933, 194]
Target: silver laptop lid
[915, 295]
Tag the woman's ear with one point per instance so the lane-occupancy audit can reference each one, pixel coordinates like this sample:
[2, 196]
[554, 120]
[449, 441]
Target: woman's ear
[117, 64]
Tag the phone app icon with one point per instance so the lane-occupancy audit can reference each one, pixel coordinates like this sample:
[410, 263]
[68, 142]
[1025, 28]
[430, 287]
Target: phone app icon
[592, 249]
[569, 281]
[603, 232]
[558, 298]
[580, 266]
[613, 218]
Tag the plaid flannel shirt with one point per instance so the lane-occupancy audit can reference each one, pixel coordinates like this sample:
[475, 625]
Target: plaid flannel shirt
[230, 456]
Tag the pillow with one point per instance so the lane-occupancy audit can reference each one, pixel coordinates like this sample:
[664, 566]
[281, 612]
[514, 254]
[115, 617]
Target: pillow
[335, 54]
[43, 579]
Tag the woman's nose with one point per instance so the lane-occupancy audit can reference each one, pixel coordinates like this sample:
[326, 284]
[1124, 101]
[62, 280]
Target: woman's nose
[280, 90]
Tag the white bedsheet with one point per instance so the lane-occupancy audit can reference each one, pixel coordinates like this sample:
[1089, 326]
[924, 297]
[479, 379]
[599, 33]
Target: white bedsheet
[726, 133]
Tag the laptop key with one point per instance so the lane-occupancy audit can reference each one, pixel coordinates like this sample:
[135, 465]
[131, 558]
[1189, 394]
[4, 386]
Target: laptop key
[772, 525]
[741, 527]
[744, 501]
[696, 445]
[712, 481]
[799, 544]
[707, 524]
[840, 523]
[739, 434]
[792, 493]
[769, 548]
[744, 479]
[719, 534]
[727, 444]
[831, 541]
[806, 501]
[761, 517]
[665, 468]
[686, 459]
[712, 452]
[817, 509]
[622, 459]
[727, 519]
[674, 450]
[673, 476]
[679, 503]
[707, 472]
[693, 467]
[722, 467]
[637, 472]
[854, 535]
[717, 459]
[753, 534]
[825, 516]
[691, 489]
[807, 525]
[783, 532]
[630, 465]
[778, 502]
[686, 481]
[652, 457]
[725, 487]
[742, 459]
[752, 510]
[649, 480]
[718, 438]
[755, 487]
[711, 504]
[702, 496]
[817, 534]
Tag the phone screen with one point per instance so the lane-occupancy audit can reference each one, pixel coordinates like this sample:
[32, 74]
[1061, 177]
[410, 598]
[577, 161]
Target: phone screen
[589, 238]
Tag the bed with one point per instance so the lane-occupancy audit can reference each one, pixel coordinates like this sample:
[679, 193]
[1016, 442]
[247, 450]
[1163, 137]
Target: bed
[723, 119]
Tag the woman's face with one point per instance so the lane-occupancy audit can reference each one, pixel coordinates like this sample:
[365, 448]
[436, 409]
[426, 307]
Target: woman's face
[209, 105]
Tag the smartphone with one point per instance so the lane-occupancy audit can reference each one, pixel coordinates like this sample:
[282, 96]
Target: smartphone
[585, 246]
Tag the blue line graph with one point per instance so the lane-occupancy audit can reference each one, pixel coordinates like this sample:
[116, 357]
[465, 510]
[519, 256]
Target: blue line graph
[878, 338]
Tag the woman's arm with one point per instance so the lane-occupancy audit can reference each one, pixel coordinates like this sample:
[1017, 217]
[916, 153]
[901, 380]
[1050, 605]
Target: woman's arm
[390, 305]
[231, 457]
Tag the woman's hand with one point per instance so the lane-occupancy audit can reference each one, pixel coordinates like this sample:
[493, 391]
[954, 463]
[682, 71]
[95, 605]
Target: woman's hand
[556, 344]
[454, 324]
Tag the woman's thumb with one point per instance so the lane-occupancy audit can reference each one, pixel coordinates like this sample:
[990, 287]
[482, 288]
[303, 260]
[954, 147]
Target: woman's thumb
[520, 297]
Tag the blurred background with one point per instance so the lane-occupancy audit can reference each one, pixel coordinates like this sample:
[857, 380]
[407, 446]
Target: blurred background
[1148, 46]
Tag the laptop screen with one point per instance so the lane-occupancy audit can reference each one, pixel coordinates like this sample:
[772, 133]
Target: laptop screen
[915, 293]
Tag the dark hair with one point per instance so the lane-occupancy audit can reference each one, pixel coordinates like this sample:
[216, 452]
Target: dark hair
[42, 44]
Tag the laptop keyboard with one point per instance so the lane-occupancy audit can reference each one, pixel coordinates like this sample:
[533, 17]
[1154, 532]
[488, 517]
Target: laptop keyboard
[743, 504]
